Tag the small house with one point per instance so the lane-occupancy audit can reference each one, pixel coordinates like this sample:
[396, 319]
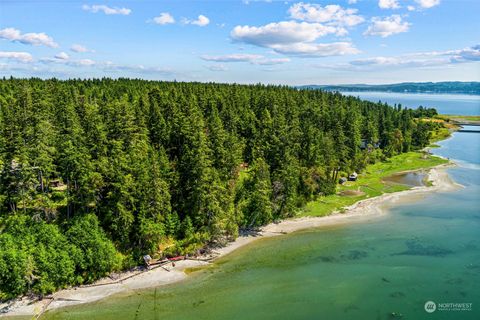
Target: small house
[365, 144]
[342, 180]
[54, 183]
[353, 177]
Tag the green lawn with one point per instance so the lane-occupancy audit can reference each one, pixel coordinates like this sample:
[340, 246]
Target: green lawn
[370, 183]
[459, 118]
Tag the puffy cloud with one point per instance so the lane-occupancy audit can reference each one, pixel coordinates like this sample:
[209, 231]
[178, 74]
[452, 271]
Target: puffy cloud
[283, 33]
[164, 18]
[427, 3]
[299, 37]
[295, 38]
[388, 4]
[79, 48]
[387, 26]
[35, 39]
[62, 56]
[201, 21]
[84, 62]
[18, 56]
[241, 57]
[410, 8]
[352, 1]
[106, 9]
[330, 14]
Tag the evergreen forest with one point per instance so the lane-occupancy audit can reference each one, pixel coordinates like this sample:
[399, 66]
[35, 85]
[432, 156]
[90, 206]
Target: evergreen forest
[96, 173]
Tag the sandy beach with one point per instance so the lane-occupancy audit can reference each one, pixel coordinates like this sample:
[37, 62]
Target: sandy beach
[134, 280]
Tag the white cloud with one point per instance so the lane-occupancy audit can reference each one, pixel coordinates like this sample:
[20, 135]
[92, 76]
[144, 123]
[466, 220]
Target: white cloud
[245, 57]
[164, 18]
[271, 62]
[139, 69]
[388, 4]
[427, 3]
[62, 56]
[239, 57]
[412, 60]
[35, 39]
[284, 32]
[18, 56]
[217, 67]
[295, 38]
[85, 62]
[410, 8]
[330, 14]
[106, 9]
[401, 61]
[80, 48]
[201, 21]
[68, 68]
[108, 66]
[465, 55]
[387, 26]
[352, 1]
[317, 49]
[68, 62]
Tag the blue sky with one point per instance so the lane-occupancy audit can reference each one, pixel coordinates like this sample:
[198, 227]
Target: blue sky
[281, 42]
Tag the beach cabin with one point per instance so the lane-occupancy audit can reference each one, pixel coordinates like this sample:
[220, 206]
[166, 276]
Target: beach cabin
[353, 177]
[364, 144]
[54, 183]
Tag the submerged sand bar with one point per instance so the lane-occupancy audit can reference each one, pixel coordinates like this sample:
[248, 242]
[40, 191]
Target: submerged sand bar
[358, 212]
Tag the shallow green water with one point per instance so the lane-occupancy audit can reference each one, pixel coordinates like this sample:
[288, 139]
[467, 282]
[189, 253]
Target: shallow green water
[412, 179]
[429, 250]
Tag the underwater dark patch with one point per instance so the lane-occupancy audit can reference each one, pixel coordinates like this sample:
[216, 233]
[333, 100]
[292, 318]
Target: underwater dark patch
[354, 255]
[327, 259]
[351, 307]
[397, 294]
[415, 248]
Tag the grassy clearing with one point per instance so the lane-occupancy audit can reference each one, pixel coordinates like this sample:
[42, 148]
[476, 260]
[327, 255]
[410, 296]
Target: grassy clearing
[440, 134]
[370, 183]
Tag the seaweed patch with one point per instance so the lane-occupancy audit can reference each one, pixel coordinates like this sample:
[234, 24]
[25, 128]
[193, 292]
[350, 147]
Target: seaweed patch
[415, 248]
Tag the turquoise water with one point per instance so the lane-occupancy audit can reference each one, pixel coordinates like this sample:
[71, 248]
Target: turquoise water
[461, 104]
[425, 251]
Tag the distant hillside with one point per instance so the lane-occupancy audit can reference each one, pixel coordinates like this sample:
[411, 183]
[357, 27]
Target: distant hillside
[414, 87]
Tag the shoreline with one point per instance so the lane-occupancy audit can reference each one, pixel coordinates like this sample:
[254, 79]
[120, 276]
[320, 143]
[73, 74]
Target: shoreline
[360, 211]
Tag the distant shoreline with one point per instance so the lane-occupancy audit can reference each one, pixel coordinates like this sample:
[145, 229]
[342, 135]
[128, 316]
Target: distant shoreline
[360, 211]
[477, 94]
[446, 87]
